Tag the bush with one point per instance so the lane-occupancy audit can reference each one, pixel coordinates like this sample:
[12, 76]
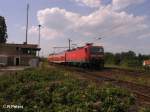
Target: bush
[146, 109]
[58, 91]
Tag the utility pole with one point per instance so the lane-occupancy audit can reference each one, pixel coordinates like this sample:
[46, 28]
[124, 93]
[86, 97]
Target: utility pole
[39, 38]
[26, 42]
[69, 44]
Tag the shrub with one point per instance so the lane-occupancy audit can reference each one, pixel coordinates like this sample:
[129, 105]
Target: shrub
[59, 91]
[145, 109]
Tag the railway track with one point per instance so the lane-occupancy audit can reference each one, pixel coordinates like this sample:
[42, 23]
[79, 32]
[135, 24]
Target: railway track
[141, 92]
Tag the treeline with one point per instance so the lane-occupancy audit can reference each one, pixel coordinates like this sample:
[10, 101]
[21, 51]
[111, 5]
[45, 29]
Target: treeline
[3, 30]
[125, 59]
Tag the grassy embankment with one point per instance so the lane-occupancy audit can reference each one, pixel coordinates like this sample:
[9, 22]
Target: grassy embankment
[53, 90]
[140, 68]
[143, 78]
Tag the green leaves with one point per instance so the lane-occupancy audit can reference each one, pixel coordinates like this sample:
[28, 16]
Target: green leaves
[145, 109]
[3, 30]
[59, 91]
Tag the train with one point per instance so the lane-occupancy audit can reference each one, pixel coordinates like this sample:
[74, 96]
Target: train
[88, 56]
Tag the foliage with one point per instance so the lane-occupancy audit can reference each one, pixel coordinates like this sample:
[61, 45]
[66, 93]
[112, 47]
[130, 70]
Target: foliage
[125, 59]
[58, 91]
[3, 30]
[146, 109]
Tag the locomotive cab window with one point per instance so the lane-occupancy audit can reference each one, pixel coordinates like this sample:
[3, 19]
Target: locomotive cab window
[97, 50]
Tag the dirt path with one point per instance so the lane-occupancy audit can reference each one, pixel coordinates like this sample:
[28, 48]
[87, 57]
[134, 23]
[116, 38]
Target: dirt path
[1, 73]
[14, 68]
[11, 69]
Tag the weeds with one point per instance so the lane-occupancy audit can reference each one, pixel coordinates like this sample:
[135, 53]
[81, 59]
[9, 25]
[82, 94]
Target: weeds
[50, 90]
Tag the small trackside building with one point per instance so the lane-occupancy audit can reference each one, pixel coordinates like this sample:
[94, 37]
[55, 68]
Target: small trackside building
[146, 63]
[18, 54]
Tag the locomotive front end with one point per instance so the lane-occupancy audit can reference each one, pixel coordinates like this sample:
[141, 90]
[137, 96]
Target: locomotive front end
[97, 56]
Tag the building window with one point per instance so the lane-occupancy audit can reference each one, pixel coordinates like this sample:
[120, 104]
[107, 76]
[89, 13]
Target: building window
[17, 48]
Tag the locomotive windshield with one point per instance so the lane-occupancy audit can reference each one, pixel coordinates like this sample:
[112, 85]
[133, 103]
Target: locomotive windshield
[97, 50]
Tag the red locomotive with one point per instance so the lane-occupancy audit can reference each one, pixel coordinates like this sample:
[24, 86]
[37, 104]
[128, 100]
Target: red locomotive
[87, 56]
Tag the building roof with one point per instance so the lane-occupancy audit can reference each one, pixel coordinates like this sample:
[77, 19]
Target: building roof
[32, 46]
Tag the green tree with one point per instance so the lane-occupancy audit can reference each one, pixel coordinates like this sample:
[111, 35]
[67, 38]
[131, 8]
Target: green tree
[109, 58]
[118, 58]
[3, 30]
[129, 59]
[125, 59]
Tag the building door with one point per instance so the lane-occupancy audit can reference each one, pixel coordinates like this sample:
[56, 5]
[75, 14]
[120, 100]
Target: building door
[17, 61]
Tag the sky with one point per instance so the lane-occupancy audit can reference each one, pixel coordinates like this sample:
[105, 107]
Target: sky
[122, 25]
